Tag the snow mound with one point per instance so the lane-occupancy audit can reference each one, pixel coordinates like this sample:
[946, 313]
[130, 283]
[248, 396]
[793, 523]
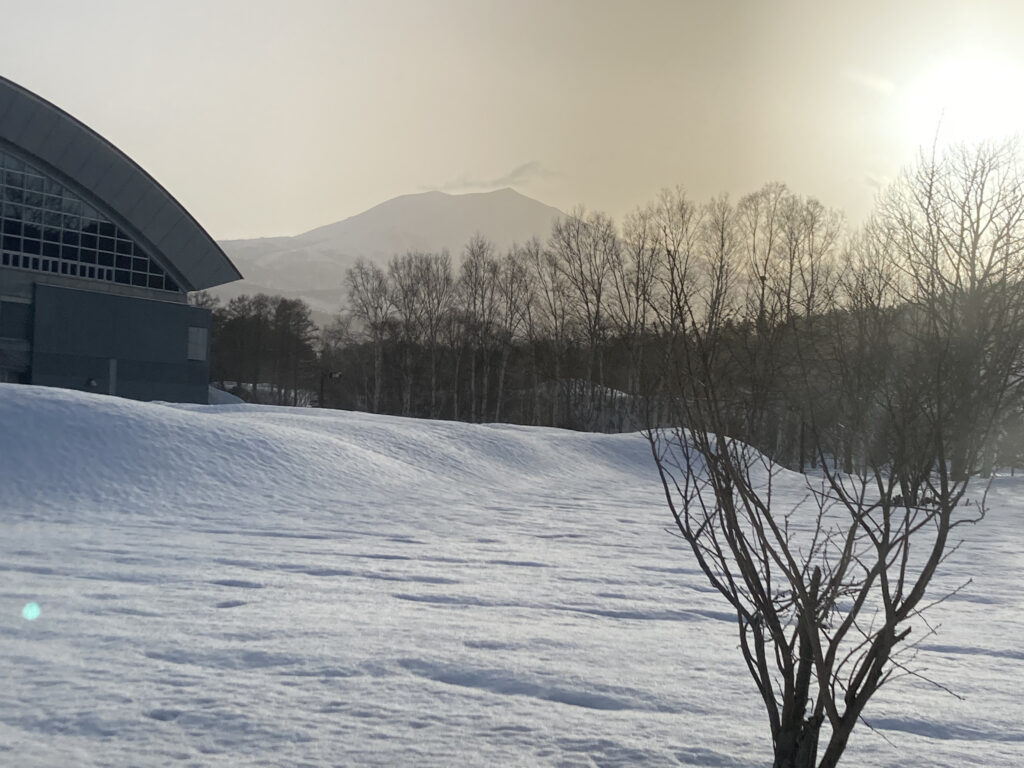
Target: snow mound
[220, 397]
[77, 453]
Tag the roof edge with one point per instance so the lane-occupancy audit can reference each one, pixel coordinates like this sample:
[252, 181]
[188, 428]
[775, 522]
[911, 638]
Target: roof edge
[25, 93]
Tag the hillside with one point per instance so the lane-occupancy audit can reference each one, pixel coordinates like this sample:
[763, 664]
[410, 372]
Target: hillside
[246, 585]
[312, 265]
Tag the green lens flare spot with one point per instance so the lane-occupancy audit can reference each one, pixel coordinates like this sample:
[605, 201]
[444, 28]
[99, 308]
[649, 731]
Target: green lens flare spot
[31, 611]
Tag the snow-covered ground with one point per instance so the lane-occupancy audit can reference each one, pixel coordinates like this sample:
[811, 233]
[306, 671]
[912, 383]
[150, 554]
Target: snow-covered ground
[242, 585]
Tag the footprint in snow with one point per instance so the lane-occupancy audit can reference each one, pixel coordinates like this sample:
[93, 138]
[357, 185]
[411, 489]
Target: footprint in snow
[241, 584]
[163, 715]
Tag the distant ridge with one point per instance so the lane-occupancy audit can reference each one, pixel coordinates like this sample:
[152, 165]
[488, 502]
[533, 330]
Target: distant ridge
[312, 265]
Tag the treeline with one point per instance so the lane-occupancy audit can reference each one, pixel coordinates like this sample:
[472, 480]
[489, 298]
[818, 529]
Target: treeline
[263, 348]
[579, 330]
[517, 336]
[591, 328]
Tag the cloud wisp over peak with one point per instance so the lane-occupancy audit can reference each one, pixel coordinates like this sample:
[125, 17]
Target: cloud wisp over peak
[518, 176]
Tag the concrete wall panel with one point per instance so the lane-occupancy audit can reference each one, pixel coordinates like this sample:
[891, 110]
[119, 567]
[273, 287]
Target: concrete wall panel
[77, 333]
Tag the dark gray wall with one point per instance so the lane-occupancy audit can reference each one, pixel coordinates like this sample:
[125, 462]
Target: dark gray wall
[76, 335]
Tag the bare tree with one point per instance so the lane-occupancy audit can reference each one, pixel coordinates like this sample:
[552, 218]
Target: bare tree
[585, 247]
[203, 300]
[454, 332]
[547, 323]
[436, 296]
[676, 223]
[635, 273]
[370, 300]
[514, 298]
[478, 296]
[830, 589]
[405, 281]
[719, 246]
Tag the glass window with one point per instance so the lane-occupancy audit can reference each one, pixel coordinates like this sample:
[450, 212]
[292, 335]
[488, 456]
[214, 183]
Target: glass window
[41, 217]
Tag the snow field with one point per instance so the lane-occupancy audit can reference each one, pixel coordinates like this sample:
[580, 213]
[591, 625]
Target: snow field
[243, 585]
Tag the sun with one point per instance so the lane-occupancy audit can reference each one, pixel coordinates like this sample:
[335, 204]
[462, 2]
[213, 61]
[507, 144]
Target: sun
[964, 98]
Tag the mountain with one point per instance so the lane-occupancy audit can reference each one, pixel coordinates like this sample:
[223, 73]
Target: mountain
[312, 265]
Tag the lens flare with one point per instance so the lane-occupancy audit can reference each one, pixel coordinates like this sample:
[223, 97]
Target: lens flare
[31, 611]
[967, 97]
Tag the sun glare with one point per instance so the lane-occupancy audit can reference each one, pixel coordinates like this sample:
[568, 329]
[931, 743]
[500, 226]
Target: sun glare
[967, 98]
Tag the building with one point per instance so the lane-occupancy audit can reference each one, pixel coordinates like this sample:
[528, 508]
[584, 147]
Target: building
[96, 262]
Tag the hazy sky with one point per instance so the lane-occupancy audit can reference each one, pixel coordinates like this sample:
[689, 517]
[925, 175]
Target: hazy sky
[271, 118]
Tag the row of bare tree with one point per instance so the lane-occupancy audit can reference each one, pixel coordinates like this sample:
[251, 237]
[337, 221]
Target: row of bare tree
[568, 322]
[584, 330]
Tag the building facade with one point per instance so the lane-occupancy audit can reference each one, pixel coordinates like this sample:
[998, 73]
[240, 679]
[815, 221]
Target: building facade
[96, 262]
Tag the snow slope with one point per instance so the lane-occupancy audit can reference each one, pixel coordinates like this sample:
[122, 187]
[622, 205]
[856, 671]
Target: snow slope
[242, 585]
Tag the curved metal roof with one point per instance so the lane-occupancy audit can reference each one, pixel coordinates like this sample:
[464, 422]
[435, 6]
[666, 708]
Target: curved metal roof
[105, 176]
